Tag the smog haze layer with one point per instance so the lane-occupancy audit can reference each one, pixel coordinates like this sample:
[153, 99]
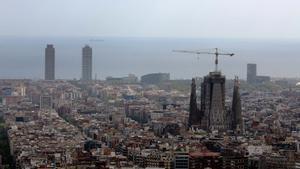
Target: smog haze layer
[140, 35]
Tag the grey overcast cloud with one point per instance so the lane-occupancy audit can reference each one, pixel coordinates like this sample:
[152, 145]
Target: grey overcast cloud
[152, 18]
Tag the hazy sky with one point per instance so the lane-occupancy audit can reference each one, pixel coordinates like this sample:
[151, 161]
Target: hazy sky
[151, 18]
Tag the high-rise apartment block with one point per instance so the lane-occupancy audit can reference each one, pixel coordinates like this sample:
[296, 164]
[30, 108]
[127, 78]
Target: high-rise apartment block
[181, 160]
[49, 62]
[46, 102]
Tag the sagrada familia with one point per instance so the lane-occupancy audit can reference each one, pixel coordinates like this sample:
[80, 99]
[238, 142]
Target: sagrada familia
[212, 113]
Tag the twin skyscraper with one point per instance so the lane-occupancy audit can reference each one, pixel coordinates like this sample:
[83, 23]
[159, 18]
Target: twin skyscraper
[49, 63]
[86, 74]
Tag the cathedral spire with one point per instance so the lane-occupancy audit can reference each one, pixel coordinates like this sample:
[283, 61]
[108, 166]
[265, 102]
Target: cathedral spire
[193, 104]
[236, 106]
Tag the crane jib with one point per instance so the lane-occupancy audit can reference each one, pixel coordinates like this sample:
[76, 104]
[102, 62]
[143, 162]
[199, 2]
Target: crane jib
[216, 53]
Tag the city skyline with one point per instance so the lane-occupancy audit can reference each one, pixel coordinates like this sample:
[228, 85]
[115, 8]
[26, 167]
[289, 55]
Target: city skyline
[142, 56]
[149, 84]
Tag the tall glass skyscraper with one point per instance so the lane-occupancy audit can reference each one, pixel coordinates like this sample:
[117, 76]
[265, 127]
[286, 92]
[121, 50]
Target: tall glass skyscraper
[87, 63]
[49, 62]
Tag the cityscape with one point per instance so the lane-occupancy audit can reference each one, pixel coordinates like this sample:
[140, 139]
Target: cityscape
[148, 120]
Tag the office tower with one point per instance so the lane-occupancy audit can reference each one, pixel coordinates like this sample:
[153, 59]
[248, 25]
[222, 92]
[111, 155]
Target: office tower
[213, 102]
[155, 78]
[87, 63]
[49, 62]
[253, 78]
[194, 112]
[251, 73]
[236, 112]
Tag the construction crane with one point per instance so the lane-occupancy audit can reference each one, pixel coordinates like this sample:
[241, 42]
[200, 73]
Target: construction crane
[216, 53]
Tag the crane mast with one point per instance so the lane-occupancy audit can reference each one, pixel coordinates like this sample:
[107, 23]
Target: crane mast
[216, 54]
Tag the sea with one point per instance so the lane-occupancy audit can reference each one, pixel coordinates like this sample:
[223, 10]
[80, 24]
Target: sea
[24, 57]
